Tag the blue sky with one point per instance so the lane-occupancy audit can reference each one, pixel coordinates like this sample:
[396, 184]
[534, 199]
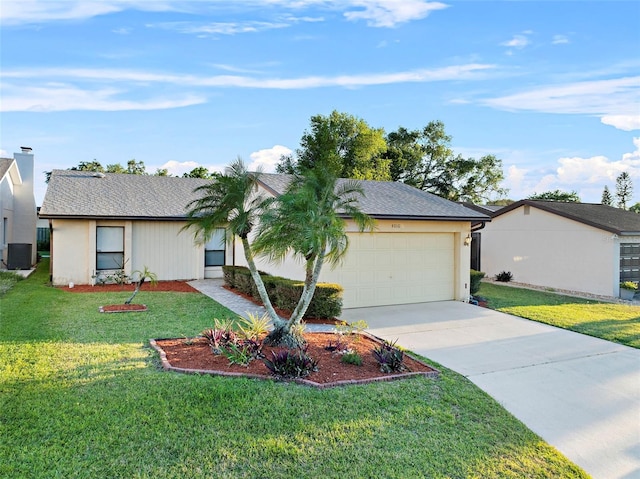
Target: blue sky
[550, 88]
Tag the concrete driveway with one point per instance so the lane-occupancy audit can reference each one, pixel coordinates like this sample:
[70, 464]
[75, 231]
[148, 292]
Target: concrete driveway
[580, 394]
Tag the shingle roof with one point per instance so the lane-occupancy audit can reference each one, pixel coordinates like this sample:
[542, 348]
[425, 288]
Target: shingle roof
[604, 217]
[81, 194]
[386, 199]
[5, 164]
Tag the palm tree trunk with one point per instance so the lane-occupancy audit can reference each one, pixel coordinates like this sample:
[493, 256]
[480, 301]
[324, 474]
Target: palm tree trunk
[311, 280]
[262, 291]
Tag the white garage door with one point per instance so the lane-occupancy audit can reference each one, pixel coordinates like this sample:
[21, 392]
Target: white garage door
[396, 268]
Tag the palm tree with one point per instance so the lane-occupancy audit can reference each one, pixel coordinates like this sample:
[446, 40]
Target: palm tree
[231, 201]
[308, 221]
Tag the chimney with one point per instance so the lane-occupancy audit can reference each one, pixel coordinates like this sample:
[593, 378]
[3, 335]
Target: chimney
[25, 164]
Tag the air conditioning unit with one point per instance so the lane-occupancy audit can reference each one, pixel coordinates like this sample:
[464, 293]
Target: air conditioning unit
[19, 256]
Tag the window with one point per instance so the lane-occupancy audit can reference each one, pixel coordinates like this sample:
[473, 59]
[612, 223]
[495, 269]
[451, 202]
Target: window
[109, 247]
[629, 262]
[214, 250]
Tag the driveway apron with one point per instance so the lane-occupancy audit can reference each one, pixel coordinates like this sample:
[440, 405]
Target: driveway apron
[580, 394]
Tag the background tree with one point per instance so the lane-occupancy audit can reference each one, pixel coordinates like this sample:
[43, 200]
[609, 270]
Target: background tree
[624, 189]
[199, 172]
[346, 145]
[635, 208]
[607, 198]
[230, 201]
[133, 168]
[424, 159]
[557, 195]
[89, 166]
[308, 222]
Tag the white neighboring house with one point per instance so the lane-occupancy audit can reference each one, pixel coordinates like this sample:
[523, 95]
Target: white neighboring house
[582, 247]
[419, 251]
[17, 211]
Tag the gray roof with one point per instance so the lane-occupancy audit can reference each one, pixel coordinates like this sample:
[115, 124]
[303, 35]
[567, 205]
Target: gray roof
[392, 200]
[82, 194]
[604, 217]
[5, 163]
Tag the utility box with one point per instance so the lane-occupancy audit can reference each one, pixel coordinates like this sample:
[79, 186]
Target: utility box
[19, 255]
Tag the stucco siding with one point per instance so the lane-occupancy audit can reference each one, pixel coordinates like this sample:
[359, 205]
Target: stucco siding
[71, 262]
[548, 250]
[166, 251]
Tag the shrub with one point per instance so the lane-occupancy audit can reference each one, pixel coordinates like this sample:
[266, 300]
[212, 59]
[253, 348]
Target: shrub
[7, 280]
[220, 336]
[389, 357]
[474, 282]
[352, 357]
[338, 345]
[504, 276]
[242, 353]
[285, 293]
[291, 363]
[253, 326]
[629, 285]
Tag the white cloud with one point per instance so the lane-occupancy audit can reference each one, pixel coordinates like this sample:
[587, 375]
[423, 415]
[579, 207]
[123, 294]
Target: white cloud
[560, 40]
[587, 176]
[64, 97]
[377, 13]
[268, 158]
[518, 41]
[61, 90]
[16, 12]
[615, 101]
[122, 31]
[389, 13]
[219, 28]
[622, 122]
[178, 168]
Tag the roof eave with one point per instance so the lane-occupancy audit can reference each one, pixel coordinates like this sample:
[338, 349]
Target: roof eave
[424, 218]
[112, 218]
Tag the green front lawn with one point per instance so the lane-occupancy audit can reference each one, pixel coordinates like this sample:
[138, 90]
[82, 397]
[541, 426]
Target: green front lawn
[81, 395]
[611, 321]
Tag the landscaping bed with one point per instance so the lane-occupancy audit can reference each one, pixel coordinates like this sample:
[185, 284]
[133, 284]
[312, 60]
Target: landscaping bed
[167, 286]
[195, 356]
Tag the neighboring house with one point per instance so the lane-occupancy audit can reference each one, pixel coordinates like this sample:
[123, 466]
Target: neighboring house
[580, 247]
[418, 251]
[17, 211]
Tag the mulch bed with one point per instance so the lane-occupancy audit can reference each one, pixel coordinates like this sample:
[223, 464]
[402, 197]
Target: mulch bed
[123, 308]
[194, 356]
[165, 286]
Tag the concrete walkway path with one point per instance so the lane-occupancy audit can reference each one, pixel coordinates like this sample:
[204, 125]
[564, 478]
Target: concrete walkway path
[580, 394]
[236, 303]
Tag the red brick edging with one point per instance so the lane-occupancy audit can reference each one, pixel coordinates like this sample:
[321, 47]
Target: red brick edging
[166, 365]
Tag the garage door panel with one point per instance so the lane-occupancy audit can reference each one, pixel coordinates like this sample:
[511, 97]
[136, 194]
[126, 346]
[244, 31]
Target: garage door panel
[396, 268]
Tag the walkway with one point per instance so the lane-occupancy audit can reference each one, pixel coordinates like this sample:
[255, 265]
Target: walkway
[236, 303]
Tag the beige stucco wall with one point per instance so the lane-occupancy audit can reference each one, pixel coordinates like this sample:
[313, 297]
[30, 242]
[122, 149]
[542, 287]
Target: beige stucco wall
[545, 249]
[293, 269]
[70, 258]
[161, 246]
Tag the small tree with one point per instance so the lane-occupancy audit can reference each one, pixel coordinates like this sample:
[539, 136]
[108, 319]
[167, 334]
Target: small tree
[308, 221]
[624, 189]
[140, 278]
[607, 198]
